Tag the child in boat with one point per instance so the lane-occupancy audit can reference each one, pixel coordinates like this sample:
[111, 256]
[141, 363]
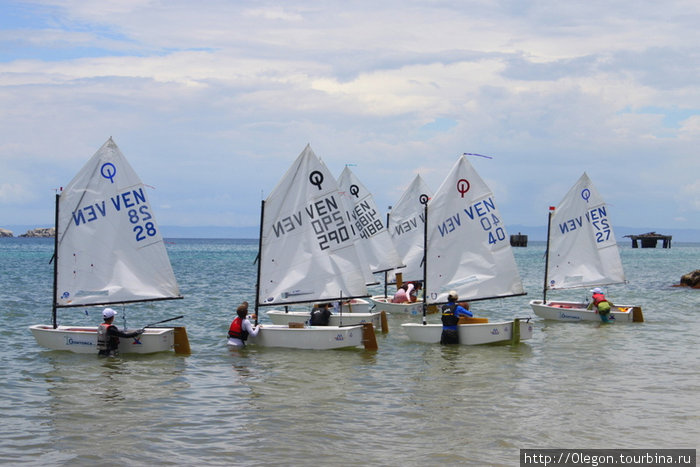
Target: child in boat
[403, 294]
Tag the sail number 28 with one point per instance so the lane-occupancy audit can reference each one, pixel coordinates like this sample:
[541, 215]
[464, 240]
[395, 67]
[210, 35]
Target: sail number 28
[143, 227]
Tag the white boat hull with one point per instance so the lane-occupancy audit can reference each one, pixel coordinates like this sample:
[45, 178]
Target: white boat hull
[383, 303]
[356, 305]
[471, 334]
[348, 319]
[576, 311]
[310, 337]
[83, 339]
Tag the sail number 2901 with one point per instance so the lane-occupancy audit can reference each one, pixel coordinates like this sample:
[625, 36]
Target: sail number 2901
[144, 228]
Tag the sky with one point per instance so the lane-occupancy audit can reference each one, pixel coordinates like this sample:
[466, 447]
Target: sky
[211, 101]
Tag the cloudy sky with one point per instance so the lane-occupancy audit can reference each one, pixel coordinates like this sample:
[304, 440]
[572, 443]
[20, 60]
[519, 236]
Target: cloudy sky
[211, 101]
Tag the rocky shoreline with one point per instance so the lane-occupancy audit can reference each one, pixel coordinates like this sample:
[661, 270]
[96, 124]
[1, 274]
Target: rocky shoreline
[34, 233]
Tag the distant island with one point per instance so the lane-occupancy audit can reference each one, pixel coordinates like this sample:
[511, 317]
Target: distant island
[47, 232]
[535, 233]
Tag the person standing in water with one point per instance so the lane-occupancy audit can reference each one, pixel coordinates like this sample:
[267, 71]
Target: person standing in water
[451, 312]
[108, 335]
[241, 328]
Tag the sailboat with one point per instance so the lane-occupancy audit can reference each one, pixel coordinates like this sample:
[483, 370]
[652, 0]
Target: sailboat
[405, 226]
[581, 252]
[108, 250]
[308, 254]
[467, 250]
[374, 246]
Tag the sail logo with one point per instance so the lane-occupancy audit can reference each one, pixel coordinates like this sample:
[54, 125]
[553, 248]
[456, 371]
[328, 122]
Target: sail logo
[339, 337]
[108, 171]
[316, 179]
[495, 332]
[463, 186]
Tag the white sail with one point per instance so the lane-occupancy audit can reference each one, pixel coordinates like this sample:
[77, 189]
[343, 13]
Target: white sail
[406, 227]
[582, 247]
[468, 247]
[110, 249]
[374, 238]
[308, 252]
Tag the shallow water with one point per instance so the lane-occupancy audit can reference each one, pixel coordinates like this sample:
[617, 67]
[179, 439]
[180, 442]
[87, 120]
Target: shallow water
[582, 385]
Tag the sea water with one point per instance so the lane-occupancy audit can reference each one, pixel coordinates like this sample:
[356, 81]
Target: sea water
[573, 385]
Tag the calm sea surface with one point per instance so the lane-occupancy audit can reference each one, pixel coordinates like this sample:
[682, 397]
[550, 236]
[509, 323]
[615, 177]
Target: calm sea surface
[571, 386]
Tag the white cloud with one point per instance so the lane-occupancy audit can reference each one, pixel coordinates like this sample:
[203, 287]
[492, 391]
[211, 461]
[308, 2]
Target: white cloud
[212, 101]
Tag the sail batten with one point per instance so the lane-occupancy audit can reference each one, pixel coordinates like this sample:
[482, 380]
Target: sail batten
[109, 246]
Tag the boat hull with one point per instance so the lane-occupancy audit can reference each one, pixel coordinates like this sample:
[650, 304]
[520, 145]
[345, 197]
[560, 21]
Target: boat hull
[310, 337]
[347, 319]
[383, 303]
[472, 334]
[576, 311]
[83, 339]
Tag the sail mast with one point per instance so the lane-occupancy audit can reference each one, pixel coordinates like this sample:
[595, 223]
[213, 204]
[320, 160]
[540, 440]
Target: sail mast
[55, 264]
[546, 255]
[257, 282]
[386, 273]
[424, 200]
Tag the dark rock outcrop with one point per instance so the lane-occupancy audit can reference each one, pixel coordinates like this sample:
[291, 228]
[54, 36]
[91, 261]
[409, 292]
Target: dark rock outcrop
[5, 233]
[40, 233]
[692, 279]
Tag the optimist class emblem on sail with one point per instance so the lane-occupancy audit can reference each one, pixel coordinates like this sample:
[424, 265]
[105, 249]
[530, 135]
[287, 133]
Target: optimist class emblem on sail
[325, 216]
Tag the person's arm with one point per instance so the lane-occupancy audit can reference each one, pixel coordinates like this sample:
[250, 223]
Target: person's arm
[460, 310]
[117, 332]
[252, 330]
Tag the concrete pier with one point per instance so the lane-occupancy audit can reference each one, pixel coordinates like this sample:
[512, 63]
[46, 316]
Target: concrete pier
[648, 240]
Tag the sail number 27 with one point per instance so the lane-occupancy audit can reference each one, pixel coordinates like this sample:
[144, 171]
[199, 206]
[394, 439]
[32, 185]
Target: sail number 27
[143, 227]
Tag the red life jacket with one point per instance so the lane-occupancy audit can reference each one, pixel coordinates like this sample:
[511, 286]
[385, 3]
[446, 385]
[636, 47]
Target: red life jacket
[599, 298]
[236, 330]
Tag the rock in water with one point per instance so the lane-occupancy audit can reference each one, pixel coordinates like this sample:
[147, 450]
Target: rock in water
[692, 279]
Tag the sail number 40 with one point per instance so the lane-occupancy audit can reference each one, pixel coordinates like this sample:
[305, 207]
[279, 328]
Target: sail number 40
[496, 233]
[143, 217]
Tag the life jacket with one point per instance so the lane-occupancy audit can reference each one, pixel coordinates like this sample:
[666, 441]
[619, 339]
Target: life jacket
[236, 330]
[320, 317]
[448, 315]
[601, 304]
[106, 342]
